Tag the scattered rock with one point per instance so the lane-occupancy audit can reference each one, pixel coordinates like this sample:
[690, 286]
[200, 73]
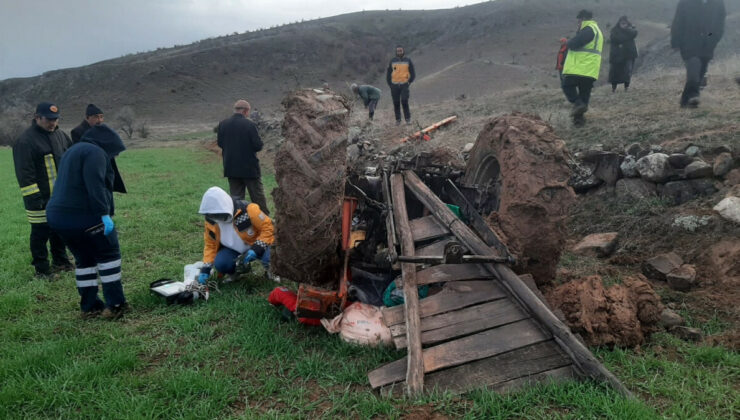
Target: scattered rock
[629, 167]
[723, 164]
[698, 169]
[721, 149]
[687, 333]
[654, 167]
[679, 192]
[693, 151]
[658, 267]
[670, 319]
[682, 278]
[622, 315]
[635, 188]
[468, 147]
[729, 208]
[634, 149]
[691, 223]
[733, 177]
[353, 152]
[607, 165]
[679, 160]
[656, 148]
[597, 245]
[583, 178]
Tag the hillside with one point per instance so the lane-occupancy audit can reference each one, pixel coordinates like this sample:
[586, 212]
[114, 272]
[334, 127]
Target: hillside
[474, 50]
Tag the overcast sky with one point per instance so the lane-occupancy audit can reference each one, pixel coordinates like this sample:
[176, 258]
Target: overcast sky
[42, 35]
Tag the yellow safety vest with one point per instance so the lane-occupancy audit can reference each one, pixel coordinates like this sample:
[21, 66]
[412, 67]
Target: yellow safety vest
[586, 61]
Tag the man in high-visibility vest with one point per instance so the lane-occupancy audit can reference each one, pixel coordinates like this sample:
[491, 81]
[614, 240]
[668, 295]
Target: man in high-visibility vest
[400, 76]
[582, 65]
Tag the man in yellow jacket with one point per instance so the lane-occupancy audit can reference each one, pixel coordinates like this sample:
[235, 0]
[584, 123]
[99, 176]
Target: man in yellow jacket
[582, 65]
[233, 228]
[399, 76]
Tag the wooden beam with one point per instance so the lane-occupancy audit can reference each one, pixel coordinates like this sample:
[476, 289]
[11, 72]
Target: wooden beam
[390, 226]
[466, 321]
[448, 272]
[578, 352]
[475, 347]
[454, 296]
[414, 363]
[427, 227]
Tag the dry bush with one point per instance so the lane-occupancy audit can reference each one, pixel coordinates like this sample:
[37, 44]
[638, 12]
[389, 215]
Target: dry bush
[126, 120]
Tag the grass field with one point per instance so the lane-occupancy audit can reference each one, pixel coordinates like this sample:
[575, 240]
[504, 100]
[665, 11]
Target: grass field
[232, 357]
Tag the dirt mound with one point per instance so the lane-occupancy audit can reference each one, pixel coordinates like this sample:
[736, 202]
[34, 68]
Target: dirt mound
[519, 157]
[622, 315]
[310, 169]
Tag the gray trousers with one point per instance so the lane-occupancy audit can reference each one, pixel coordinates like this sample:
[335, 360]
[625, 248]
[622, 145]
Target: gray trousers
[696, 69]
[253, 186]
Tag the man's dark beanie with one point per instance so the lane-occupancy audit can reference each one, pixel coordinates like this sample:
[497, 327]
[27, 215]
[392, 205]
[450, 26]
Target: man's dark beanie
[92, 110]
[585, 14]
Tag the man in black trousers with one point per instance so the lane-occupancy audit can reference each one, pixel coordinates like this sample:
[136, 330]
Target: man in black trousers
[400, 76]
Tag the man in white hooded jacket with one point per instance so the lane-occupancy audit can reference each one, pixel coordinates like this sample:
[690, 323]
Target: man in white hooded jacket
[233, 228]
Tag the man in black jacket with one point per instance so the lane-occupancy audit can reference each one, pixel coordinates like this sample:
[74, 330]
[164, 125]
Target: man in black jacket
[400, 76]
[239, 142]
[36, 156]
[93, 116]
[696, 30]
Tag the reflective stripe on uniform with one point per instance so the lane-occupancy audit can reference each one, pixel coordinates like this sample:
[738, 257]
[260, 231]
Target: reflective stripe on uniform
[111, 278]
[51, 170]
[86, 283]
[30, 189]
[36, 216]
[595, 41]
[110, 264]
[86, 271]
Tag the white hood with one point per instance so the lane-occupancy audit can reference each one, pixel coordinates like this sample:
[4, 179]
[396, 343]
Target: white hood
[216, 200]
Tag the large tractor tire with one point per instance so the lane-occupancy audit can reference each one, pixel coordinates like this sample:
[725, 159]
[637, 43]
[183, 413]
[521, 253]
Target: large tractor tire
[310, 168]
[519, 166]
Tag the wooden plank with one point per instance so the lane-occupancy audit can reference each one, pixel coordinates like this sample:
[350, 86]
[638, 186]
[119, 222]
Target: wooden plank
[414, 361]
[466, 321]
[427, 227]
[475, 347]
[454, 296]
[570, 344]
[563, 374]
[390, 226]
[452, 272]
[494, 372]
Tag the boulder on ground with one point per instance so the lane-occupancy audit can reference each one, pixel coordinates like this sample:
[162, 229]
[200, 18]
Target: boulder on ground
[634, 149]
[733, 177]
[629, 167]
[655, 167]
[687, 333]
[669, 319]
[693, 151]
[607, 165]
[729, 208]
[635, 188]
[679, 160]
[698, 169]
[584, 177]
[723, 164]
[597, 245]
[679, 192]
[683, 278]
[658, 267]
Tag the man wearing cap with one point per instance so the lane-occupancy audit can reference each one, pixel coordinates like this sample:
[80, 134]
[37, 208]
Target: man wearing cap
[93, 117]
[239, 141]
[399, 76]
[582, 65]
[36, 156]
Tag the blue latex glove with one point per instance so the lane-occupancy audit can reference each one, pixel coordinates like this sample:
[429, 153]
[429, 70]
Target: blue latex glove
[203, 278]
[251, 256]
[108, 223]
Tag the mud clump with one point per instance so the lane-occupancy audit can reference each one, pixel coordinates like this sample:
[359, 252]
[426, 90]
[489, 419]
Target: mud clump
[521, 159]
[623, 315]
[310, 169]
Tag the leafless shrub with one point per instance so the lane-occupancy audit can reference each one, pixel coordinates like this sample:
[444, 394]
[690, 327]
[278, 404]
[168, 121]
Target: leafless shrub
[126, 121]
[143, 130]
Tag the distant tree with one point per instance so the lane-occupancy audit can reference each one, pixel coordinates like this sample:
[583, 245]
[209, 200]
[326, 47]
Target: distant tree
[143, 130]
[126, 120]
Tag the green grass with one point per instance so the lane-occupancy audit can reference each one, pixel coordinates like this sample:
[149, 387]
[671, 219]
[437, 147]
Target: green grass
[232, 357]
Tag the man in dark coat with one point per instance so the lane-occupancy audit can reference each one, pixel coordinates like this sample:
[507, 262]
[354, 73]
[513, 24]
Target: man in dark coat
[370, 96]
[696, 30]
[400, 76]
[239, 142]
[81, 211]
[36, 155]
[93, 116]
[622, 53]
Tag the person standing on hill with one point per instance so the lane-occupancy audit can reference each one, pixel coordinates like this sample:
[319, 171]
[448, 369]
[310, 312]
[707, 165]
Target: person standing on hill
[582, 65]
[400, 76]
[239, 142]
[36, 155]
[93, 117]
[696, 30]
[622, 53]
[81, 210]
[370, 96]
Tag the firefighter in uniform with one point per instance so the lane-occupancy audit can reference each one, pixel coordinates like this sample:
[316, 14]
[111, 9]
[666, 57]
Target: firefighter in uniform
[36, 154]
[582, 65]
[400, 76]
[233, 228]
